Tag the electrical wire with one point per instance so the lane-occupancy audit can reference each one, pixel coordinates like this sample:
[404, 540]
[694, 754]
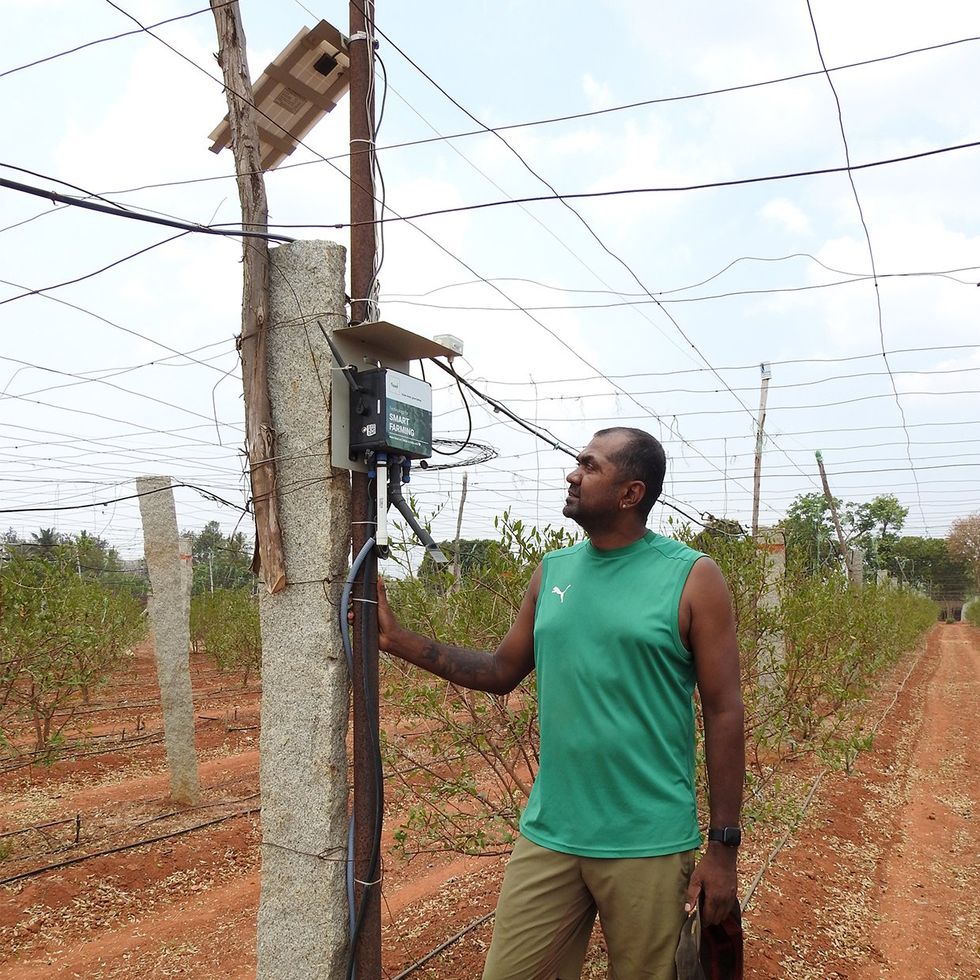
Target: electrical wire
[629, 191]
[536, 122]
[636, 303]
[207, 494]
[119, 211]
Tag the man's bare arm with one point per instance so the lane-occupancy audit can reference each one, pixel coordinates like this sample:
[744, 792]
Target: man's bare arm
[712, 640]
[499, 671]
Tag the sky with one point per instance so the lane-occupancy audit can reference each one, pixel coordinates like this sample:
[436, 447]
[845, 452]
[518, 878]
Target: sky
[644, 298]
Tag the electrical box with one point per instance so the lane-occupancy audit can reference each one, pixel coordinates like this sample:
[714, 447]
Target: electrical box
[380, 352]
[392, 413]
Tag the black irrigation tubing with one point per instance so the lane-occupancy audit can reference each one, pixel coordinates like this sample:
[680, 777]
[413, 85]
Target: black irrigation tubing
[138, 740]
[220, 693]
[444, 946]
[37, 754]
[128, 829]
[35, 827]
[24, 875]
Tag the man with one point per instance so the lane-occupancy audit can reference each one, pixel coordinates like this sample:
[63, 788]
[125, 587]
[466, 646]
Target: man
[619, 629]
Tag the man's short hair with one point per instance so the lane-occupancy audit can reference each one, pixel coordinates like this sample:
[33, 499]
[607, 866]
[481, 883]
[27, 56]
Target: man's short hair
[641, 458]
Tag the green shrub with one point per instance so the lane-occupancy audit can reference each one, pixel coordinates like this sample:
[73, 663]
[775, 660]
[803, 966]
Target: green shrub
[60, 637]
[460, 763]
[226, 623]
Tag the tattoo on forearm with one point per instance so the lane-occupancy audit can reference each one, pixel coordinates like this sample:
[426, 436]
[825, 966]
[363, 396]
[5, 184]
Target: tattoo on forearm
[470, 668]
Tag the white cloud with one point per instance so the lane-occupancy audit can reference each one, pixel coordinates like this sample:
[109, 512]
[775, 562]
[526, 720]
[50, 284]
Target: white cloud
[599, 94]
[786, 215]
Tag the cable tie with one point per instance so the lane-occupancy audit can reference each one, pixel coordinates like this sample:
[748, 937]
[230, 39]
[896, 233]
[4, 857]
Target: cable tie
[359, 36]
[367, 884]
[370, 142]
[370, 602]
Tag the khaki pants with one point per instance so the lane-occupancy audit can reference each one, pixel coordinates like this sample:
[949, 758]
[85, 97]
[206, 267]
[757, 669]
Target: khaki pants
[549, 902]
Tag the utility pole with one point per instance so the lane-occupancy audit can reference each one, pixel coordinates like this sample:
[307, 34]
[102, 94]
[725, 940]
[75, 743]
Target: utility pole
[363, 248]
[302, 516]
[759, 436]
[833, 512]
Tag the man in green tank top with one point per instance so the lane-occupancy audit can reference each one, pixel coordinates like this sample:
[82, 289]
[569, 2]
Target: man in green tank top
[620, 628]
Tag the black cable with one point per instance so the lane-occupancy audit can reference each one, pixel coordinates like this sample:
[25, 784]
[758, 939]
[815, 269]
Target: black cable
[622, 192]
[469, 424]
[521, 125]
[483, 454]
[120, 212]
[368, 591]
[550, 438]
[207, 494]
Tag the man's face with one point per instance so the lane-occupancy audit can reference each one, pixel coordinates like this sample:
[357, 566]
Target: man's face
[595, 486]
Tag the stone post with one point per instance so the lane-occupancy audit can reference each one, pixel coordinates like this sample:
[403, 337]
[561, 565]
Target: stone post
[772, 543]
[171, 633]
[302, 925]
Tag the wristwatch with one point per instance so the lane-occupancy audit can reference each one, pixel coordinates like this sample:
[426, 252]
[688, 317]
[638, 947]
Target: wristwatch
[729, 836]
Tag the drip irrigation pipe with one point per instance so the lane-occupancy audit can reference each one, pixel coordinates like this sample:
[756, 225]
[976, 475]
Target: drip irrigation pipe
[24, 875]
[444, 946]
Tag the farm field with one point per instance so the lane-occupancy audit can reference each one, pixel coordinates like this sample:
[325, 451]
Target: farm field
[103, 877]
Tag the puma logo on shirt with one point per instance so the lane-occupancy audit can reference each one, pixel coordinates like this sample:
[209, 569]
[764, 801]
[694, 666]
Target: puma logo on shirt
[560, 592]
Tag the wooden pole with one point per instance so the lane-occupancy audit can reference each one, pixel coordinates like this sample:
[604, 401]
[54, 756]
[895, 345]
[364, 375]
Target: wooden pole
[459, 530]
[259, 433]
[363, 246]
[760, 432]
[833, 512]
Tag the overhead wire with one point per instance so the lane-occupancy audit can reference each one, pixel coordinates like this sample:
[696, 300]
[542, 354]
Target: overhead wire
[543, 326]
[678, 301]
[564, 198]
[115, 500]
[112, 37]
[119, 211]
[569, 117]
[867, 237]
[114, 5]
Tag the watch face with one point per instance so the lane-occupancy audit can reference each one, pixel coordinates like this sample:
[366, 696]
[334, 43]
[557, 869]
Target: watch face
[730, 836]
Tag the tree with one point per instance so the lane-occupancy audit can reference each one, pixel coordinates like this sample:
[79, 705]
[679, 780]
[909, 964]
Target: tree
[811, 540]
[927, 564]
[220, 562]
[964, 543]
[47, 540]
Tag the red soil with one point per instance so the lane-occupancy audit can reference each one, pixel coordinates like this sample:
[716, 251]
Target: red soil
[879, 880]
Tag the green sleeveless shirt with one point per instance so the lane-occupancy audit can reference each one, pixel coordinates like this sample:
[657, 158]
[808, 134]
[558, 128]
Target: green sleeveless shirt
[615, 703]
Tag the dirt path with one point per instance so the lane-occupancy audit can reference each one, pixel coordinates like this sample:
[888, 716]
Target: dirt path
[882, 878]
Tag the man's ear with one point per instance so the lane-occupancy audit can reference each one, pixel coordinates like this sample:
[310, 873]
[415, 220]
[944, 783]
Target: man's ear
[634, 493]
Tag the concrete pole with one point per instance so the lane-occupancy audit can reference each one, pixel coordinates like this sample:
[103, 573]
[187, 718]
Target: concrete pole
[171, 634]
[185, 551]
[829, 497]
[302, 923]
[855, 566]
[774, 546]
